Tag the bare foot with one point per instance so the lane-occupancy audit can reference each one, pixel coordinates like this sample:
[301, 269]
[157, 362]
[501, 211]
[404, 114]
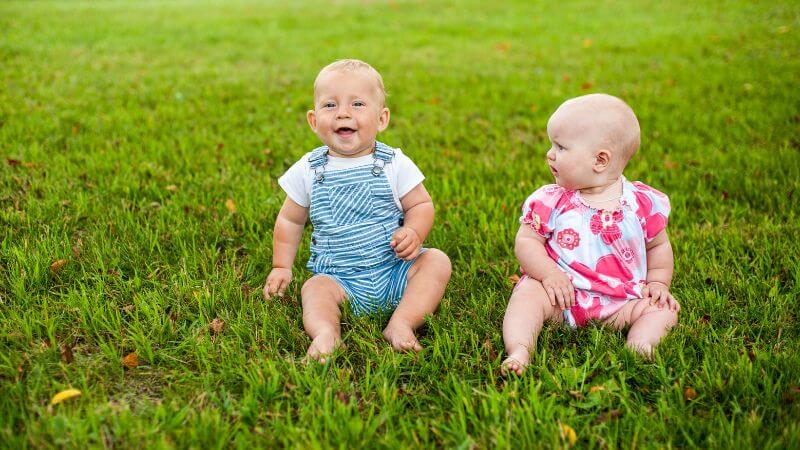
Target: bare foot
[401, 337]
[642, 348]
[322, 346]
[516, 362]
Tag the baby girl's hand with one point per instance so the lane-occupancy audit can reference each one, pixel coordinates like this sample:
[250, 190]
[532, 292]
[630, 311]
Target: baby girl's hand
[559, 289]
[657, 293]
[406, 243]
[277, 282]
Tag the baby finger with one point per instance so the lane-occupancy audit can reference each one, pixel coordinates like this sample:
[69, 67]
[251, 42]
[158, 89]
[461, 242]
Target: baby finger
[551, 295]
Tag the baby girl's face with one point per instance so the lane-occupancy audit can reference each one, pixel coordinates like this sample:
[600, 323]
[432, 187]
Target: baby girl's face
[574, 139]
[348, 112]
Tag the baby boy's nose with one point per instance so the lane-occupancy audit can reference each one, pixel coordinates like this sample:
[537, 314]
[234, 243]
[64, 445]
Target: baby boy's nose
[343, 111]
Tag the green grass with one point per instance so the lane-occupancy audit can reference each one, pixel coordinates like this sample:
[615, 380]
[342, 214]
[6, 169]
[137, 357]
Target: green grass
[104, 106]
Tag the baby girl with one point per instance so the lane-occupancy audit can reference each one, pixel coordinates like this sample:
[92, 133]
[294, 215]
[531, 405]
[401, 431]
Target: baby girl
[593, 246]
[370, 214]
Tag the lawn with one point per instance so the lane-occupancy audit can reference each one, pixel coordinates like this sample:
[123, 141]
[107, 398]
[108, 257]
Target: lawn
[141, 145]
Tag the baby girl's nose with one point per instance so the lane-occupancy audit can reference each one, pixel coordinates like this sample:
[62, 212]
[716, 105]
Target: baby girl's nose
[551, 155]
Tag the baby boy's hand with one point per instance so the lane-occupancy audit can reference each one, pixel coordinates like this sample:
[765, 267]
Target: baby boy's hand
[277, 282]
[559, 289]
[657, 293]
[406, 243]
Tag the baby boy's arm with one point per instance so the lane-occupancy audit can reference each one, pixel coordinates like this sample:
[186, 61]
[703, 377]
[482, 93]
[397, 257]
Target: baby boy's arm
[285, 240]
[660, 264]
[419, 212]
[537, 264]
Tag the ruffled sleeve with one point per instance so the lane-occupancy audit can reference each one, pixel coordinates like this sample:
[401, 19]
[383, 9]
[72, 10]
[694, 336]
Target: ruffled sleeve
[539, 209]
[652, 209]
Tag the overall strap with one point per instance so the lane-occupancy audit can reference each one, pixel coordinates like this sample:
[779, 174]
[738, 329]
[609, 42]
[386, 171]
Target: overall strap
[383, 155]
[317, 161]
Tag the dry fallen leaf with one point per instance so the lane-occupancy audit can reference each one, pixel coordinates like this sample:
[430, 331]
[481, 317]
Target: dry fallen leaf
[131, 361]
[66, 353]
[172, 188]
[57, 265]
[128, 308]
[216, 326]
[502, 46]
[229, 203]
[567, 433]
[670, 165]
[513, 279]
[689, 394]
[64, 395]
[594, 389]
[587, 85]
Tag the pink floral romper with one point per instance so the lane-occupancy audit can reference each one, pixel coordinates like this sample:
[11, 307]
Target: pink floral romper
[603, 252]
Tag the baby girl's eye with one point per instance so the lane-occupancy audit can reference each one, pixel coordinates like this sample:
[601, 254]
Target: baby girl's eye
[359, 104]
[328, 105]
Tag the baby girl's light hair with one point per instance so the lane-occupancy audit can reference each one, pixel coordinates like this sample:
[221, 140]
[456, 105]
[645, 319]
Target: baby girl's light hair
[353, 65]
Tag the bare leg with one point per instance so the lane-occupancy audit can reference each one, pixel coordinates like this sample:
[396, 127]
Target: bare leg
[427, 279]
[649, 324]
[321, 299]
[527, 310]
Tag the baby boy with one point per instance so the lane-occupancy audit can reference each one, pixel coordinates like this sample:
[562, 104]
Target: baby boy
[370, 215]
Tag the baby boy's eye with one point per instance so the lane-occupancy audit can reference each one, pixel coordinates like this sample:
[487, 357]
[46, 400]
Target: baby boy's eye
[329, 105]
[359, 104]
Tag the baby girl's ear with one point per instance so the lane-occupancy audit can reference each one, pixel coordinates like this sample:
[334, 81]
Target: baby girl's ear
[602, 160]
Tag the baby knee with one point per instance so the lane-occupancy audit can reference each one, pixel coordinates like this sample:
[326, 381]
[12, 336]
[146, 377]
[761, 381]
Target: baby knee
[440, 262]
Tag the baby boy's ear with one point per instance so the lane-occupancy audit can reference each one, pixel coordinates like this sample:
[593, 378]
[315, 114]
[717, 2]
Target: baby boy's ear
[602, 160]
[383, 119]
[312, 119]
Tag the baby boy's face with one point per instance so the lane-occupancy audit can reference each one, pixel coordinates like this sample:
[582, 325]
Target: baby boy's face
[348, 112]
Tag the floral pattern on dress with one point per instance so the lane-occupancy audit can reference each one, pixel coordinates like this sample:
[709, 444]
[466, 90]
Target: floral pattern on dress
[603, 252]
[569, 239]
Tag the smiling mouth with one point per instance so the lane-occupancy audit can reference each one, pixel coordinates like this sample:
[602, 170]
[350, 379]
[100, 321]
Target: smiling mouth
[345, 131]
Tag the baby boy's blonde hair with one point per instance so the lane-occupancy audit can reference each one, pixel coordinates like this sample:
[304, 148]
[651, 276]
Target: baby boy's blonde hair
[353, 65]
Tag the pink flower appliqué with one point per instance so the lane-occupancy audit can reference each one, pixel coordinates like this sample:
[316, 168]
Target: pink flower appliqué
[568, 239]
[627, 254]
[605, 223]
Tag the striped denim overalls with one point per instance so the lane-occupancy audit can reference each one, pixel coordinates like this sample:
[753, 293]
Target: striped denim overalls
[354, 217]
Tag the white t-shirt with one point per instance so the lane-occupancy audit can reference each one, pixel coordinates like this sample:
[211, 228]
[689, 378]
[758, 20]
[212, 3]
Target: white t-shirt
[402, 173]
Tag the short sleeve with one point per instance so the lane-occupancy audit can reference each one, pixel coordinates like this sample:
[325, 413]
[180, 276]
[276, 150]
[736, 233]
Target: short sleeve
[293, 183]
[406, 174]
[539, 209]
[653, 209]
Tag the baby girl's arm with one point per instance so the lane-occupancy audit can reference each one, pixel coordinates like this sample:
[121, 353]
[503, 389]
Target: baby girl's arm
[660, 264]
[537, 264]
[285, 240]
[418, 210]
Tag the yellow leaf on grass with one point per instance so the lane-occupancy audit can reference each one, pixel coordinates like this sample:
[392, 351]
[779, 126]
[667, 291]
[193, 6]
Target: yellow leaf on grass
[568, 434]
[64, 395]
[689, 394]
[229, 203]
[57, 265]
[131, 361]
[513, 279]
[594, 389]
